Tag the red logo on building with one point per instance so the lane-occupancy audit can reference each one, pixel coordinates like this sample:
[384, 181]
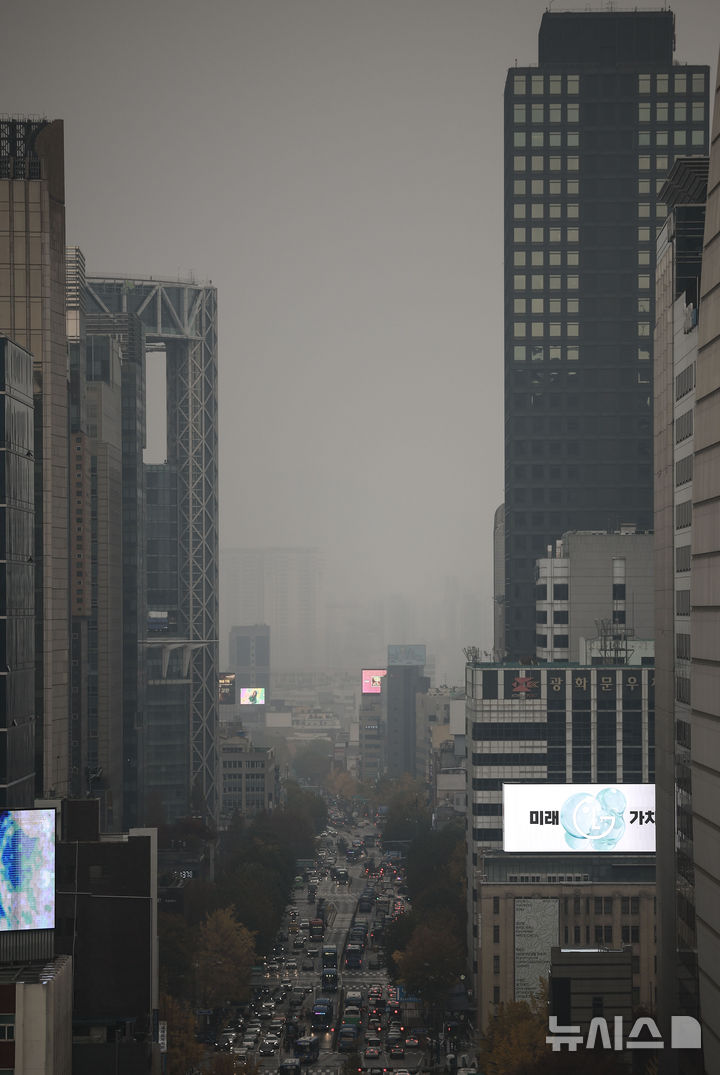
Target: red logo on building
[524, 684]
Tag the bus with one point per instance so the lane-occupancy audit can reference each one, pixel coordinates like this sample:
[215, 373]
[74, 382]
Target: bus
[316, 931]
[329, 957]
[353, 957]
[329, 981]
[322, 1014]
[307, 1050]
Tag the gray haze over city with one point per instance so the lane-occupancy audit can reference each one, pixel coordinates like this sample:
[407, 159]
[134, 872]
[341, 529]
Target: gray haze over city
[335, 168]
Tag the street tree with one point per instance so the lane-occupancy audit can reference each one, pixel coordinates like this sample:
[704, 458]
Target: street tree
[225, 957]
[183, 1050]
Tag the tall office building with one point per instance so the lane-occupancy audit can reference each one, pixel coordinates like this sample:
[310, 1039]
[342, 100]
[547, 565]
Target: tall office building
[178, 736]
[679, 260]
[705, 620]
[17, 509]
[32, 314]
[590, 133]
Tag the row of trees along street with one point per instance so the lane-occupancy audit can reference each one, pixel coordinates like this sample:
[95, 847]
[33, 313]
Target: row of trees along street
[207, 954]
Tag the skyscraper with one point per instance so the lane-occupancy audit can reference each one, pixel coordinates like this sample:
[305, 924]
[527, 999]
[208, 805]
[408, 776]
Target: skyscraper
[590, 133]
[179, 720]
[32, 313]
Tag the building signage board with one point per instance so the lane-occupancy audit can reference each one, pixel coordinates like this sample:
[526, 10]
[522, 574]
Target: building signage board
[536, 932]
[552, 818]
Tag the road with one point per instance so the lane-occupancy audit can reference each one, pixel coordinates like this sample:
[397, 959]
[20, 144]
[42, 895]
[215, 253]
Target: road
[341, 901]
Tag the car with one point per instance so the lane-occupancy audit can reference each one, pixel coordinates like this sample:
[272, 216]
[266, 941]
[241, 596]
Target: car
[268, 1047]
[292, 966]
[398, 1049]
[298, 943]
[372, 1041]
[412, 1042]
[308, 964]
[371, 1052]
[312, 952]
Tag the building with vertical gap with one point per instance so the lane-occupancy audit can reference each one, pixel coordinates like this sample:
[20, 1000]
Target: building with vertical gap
[179, 719]
[591, 132]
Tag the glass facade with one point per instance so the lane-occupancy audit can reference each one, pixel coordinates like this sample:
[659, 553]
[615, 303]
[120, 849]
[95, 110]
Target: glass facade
[587, 148]
[17, 571]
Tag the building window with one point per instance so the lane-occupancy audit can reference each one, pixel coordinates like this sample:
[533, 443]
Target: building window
[496, 905]
[496, 934]
[496, 964]
[496, 994]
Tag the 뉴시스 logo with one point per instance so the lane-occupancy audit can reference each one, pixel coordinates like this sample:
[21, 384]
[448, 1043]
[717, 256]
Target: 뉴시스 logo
[685, 1033]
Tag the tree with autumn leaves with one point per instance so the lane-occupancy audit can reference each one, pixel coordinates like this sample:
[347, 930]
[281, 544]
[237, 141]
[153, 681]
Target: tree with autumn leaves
[224, 959]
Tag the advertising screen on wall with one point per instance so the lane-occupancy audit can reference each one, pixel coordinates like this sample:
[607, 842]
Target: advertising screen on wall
[372, 680]
[252, 696]
[578, 817]
[27, 869]
[226, 688]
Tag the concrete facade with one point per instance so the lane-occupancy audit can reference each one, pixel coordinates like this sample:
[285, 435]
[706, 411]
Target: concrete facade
[592, 903]
[705, 619]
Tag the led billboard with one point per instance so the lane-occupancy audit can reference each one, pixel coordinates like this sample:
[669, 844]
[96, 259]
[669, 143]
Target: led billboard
[372, 680]
[252, 696]
[578, 817]
[226, 688]
[27, 869]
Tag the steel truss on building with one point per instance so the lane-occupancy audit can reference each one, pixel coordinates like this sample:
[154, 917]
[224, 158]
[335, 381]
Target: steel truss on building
[180, 317]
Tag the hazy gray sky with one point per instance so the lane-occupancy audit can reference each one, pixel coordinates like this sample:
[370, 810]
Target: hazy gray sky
[335, 167]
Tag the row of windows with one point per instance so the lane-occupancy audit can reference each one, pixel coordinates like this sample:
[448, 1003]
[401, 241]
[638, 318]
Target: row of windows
[540, 163]
[543, 305]
[555, 139]
[540, 84]
[681, 83]
[540, 281]
[509, 729]
[549, 328]
[554, 210]
[551, 235]
[536, 353]
[556, 642]
[557, 112]
[551, 186]
[682, 647]
[559, 616]
[662, 111]
[682, 602]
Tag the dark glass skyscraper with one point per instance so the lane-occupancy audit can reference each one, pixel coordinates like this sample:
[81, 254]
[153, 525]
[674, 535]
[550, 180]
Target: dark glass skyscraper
[590, 134]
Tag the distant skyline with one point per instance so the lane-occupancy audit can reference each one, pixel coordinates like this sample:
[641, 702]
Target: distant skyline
[335, 168]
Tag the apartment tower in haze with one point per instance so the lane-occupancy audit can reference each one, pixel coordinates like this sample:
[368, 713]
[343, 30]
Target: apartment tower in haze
[590, 134]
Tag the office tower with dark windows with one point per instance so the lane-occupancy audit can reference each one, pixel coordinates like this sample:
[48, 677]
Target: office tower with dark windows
[177, 732]
[17, 512]
[590, 134]
[32, 314]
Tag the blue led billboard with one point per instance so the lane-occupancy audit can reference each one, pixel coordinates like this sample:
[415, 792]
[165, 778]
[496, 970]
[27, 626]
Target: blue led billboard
[27, 869]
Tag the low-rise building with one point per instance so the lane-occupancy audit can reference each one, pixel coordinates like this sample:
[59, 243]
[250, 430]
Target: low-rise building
[526, 905]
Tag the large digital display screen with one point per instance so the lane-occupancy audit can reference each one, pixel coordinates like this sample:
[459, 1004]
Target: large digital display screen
[372, 680]
[226, 688]
[405, 655]
[578, 817]
[252, 696]
[27, 869]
